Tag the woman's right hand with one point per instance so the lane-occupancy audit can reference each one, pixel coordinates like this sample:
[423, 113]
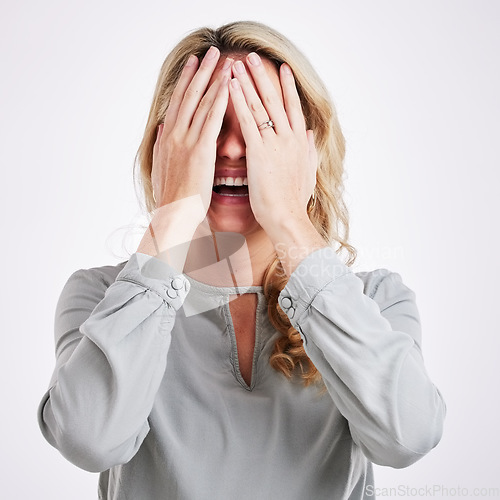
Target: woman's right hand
[185, 149]
[184, 158]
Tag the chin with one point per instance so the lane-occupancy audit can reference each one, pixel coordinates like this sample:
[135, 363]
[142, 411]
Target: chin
[234, 222]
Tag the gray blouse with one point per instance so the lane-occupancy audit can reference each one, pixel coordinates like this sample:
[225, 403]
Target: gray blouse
[147, 389]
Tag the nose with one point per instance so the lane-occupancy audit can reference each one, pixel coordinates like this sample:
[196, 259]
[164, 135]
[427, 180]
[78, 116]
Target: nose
[230, 143]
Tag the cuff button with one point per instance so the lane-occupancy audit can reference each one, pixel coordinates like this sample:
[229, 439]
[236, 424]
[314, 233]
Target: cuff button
[177, 283]
[172, 293]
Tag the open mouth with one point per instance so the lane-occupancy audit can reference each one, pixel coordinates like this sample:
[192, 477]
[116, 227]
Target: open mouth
[231, 186]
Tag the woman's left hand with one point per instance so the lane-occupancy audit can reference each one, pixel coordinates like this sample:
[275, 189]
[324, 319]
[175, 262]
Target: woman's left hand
[281, 160]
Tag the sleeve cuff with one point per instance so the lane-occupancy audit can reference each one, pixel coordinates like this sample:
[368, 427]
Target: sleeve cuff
[314, 273]
[156, 275]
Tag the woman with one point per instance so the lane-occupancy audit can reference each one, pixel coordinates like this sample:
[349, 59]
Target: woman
[235, 354]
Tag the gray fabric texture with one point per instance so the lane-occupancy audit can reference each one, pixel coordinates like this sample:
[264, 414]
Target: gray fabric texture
[153, 399]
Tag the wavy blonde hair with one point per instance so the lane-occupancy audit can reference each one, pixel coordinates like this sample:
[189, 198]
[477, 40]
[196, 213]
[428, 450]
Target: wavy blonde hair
[328, 213]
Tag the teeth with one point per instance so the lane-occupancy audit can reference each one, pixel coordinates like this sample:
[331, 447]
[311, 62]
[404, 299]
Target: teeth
[231, 181]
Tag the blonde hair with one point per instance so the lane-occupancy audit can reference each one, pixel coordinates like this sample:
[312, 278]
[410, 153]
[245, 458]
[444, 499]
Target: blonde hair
[328, 213]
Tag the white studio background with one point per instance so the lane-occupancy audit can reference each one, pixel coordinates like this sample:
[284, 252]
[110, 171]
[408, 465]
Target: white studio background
[416, 87]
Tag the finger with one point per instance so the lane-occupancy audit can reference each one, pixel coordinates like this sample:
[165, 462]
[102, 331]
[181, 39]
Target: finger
[207, 102]
[252, 99]
[213, 122]
[187, 75]
[251, 134]
[268, 93]
[196, 89]
[291, 97]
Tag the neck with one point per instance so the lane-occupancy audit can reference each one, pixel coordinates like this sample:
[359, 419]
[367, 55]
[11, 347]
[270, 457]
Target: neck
[229, 259]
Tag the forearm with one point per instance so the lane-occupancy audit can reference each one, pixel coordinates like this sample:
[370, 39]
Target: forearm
[109, 369]
[368, 355]
[378, 381]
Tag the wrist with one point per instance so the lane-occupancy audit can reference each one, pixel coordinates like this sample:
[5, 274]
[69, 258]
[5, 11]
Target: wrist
[294, 239]
[171, 230]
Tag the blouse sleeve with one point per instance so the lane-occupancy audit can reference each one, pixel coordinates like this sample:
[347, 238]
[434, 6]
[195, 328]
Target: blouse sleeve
[364, 338]
[111, 350]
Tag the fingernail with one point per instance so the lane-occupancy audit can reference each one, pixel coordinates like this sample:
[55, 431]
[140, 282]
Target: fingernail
[254, 58]
[235, 83]
[191, 60]
[287, 69]
[239, 67]
[212, 52]
[227, 63]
